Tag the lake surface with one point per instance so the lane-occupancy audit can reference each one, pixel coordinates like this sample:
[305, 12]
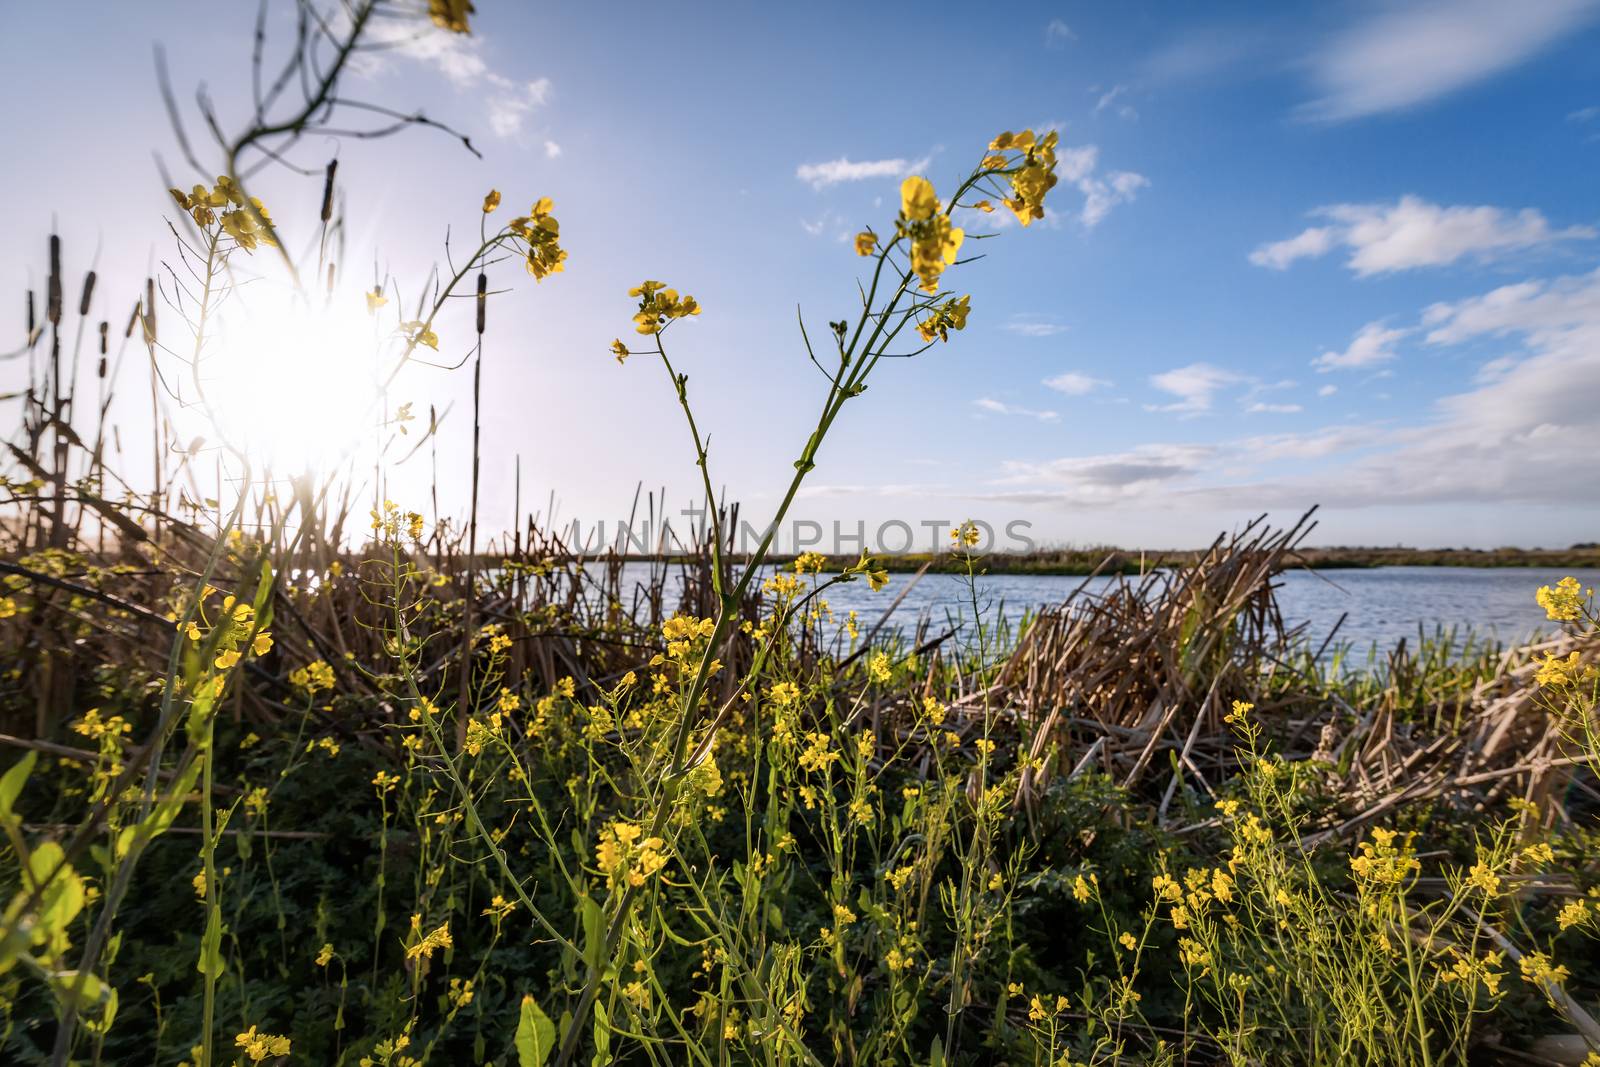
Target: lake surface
[1380, 605]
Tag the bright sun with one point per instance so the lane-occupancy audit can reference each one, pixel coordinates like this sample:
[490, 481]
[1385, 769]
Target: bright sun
[293, 383]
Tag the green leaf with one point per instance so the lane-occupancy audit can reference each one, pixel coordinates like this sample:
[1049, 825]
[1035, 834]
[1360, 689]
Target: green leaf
[210, 961]
[536, 1035]
[936, 1054]
[594, 933]
[11, 784]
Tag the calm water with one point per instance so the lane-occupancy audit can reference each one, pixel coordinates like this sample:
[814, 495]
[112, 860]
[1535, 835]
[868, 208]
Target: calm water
[1382, 605]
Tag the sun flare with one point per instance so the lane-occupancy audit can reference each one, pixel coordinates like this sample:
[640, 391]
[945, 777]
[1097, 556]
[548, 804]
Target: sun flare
[294, 384]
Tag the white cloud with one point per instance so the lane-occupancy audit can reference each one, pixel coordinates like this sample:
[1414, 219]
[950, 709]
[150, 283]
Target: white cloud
[1106, 478]
[1411, 232]
[1100, 196]
[996, 407]
[1373, 344]
[1033, 326]
[1541, 309]
[1195, 386]
[509, 106]
[1109, 97]
[1407, 55]
[1073, 383]
[822, 175]
[1260, 408]
[1279, 254]
[551, 150]
[458, 57]
[1327, 390]
[1058, 32]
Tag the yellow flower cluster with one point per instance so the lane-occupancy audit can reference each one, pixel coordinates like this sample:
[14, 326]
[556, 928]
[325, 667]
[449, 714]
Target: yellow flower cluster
[390, 521]
[934, 242]
[1382, 862]
[1030, 170]
[541, 233]
[1538, 968]
[257, 1046]
[682, 631]
[950, 315]
[95, 728]
[817, 756]
[1558, 672]
[247, 222]
[427, 945]
[810, 563]
[1565, 602]
[234, 625]
[623, 857]
[313, 677]
[451, 14]
[1470, 972]
[659, 305]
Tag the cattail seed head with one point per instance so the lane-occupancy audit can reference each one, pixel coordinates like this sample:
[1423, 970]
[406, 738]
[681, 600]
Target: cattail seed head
[483, 300]
[88, 294]
[53, 305]
[327, 191]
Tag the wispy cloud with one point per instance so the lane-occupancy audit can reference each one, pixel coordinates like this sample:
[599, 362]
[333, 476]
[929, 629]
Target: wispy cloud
[1057, 32]
[551, 150]
[1033, 326]
[1104, 478]
[1523, 433]
[997, 407]
[1110, 97]
[1406, 56]
[822, 175]
[1411, 233]
[510, 105]
[1073, 383]
[507, 103]
[1372, 345]
[1263, 408]
[1195, 386]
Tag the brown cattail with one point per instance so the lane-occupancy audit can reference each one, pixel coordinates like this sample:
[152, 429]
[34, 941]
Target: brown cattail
[104, 327]
[88, 293]
[483, 299]
[53, 305]
[101, 372]
[32, 316]
[149, 311]
[327, 191]
[133, 320]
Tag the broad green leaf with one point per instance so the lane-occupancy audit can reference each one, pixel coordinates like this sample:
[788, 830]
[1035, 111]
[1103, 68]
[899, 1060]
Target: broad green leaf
[536, 1035]
[594, 933]
[11, 784]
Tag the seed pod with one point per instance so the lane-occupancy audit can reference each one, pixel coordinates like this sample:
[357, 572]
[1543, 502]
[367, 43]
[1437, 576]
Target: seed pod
[32, 322]
[104, 326]
[327, 190]
[483, 300]
[88, 293]
[53, 305]
[101, 372]
[133, 320]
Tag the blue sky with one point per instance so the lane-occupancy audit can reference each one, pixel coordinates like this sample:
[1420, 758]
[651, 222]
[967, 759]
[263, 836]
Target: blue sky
[1339, 253]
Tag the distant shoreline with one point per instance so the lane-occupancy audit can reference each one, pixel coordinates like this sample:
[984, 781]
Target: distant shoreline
[1083, 562]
